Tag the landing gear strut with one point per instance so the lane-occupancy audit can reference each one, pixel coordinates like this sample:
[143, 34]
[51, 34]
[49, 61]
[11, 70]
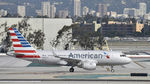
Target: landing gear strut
[112, 70]
[71, 69]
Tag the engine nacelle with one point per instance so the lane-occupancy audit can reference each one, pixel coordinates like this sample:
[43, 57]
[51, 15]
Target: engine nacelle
[88, 65]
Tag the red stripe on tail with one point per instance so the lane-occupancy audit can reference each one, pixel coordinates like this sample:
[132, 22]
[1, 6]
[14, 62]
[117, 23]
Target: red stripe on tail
[10, 28]
[17, 45]
[15, 40]
[12, 34]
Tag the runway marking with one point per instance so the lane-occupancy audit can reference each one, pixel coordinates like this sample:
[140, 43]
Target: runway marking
[139, 64]
[41, 80]
[20, 81]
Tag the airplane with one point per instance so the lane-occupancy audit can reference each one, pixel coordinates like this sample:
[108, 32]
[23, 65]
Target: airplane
[86, 59]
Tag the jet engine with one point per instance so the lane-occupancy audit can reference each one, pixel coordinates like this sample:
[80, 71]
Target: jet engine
[88, 65]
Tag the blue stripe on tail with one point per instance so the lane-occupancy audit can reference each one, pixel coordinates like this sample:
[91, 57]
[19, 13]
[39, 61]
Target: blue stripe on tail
[23, 42]
[26, 46]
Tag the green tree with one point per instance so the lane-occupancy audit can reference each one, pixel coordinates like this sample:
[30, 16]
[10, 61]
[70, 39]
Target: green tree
[39, 39]
[86, 41]
[6, 43]
[90, 18]
[63, 37]
[36, 37]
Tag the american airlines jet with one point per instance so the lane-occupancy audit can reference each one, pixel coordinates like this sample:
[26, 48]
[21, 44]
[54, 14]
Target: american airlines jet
[86, 59]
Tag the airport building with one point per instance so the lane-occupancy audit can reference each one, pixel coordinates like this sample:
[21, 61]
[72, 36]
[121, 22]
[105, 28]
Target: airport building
[121, 28]
[88, 28]
[50, 27]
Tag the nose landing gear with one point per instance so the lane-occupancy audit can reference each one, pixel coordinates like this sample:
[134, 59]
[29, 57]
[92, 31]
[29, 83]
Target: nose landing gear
[71, 69]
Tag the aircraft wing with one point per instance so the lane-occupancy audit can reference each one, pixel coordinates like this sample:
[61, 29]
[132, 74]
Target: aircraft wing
[70, 61]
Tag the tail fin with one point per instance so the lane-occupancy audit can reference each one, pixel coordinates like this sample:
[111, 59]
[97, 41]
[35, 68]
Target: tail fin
[22, 48]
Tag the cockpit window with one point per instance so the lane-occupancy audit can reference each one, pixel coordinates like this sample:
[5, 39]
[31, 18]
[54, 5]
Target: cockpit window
[122, 55]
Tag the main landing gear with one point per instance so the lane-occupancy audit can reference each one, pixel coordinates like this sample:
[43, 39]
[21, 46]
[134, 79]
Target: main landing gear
[112, 70]
[71, 69]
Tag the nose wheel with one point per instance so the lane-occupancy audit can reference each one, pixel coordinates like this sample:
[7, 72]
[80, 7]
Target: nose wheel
[112, 70]
[71, 69]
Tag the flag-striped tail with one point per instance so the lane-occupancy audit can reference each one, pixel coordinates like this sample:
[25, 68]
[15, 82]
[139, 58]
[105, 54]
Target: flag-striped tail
[22, 48]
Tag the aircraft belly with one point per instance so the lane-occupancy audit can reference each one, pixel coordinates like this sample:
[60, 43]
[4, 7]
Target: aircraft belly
[109, 62]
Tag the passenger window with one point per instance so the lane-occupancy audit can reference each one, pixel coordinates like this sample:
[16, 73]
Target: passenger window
[44, 55]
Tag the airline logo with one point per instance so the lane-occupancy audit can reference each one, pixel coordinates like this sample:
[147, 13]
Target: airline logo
[107, 56]
[86, 56]
[22, 48]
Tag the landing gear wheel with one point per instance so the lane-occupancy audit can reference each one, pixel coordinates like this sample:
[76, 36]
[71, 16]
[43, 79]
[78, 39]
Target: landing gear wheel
[71, 69]
[112, 70]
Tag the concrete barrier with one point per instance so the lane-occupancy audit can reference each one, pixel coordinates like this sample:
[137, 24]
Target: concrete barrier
[138, 74]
